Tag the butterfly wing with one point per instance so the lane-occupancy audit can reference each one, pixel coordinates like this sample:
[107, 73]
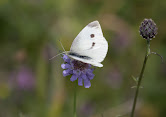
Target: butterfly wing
[89, 46]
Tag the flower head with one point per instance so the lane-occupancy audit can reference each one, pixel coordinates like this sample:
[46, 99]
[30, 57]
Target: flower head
[79, 70]
[148, 29]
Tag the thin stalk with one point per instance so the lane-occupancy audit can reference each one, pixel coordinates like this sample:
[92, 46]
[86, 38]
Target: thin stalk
[75, 99]
[140, 77]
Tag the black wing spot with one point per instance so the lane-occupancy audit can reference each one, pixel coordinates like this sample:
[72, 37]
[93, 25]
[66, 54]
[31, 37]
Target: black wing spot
[92, 35]
[93, 44]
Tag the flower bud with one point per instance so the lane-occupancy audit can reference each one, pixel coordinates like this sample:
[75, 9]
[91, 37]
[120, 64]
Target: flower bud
[148, 29]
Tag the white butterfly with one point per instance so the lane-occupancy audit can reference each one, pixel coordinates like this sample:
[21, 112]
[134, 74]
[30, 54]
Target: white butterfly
[89, 46]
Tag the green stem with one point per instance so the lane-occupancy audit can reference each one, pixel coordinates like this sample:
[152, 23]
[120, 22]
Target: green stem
[140, 77]
[75, 97]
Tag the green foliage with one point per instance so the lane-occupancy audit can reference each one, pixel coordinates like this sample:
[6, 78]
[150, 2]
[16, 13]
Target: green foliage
[29, 34]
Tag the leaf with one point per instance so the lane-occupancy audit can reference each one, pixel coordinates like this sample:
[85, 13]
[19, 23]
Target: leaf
[136, 87]
[135, 78]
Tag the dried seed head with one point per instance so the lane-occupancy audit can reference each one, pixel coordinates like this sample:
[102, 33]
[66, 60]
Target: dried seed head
[148, 29]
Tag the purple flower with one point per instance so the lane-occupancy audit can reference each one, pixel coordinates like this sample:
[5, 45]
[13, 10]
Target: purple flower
[79, 70]
[23, 78]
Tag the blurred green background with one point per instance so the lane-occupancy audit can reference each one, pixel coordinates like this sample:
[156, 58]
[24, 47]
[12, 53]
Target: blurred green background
[33, 86]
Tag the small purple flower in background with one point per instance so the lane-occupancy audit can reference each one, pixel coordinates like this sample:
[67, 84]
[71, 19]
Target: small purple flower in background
[86, 109]
[23, 78]
[79, 70]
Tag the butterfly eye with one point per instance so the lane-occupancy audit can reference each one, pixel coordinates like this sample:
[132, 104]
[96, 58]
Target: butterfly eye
[92, 35]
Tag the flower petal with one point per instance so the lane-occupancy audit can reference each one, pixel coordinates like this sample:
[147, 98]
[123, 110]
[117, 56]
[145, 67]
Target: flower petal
[87, 83]
[66, 58]
[83, 76]
[90, 70]
[65, 66]
[66, 72]
[80, 83]
[90, 75]
[73, 78]
[76, 72]
[89, 65]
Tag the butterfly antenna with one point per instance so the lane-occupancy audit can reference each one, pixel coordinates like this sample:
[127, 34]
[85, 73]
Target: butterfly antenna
[62, 46]
[57, 55]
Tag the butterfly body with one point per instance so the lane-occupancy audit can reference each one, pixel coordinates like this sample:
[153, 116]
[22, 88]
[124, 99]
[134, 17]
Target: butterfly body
[89, 46]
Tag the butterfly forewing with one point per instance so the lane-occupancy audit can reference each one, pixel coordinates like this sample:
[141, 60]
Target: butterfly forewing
[90, 46]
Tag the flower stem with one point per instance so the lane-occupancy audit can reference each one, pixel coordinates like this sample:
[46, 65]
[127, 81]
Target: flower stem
[75, 97]
[140, 77]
